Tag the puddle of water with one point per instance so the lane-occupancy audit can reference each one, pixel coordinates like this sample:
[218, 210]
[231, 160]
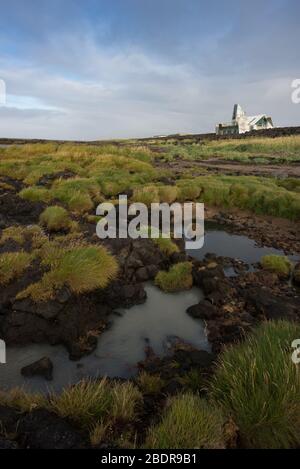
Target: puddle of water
[225, 244]
[160, 319]
[156, 322]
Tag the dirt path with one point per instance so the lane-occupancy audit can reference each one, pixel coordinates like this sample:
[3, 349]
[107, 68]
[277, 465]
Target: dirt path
[251, 169]
[228, 168]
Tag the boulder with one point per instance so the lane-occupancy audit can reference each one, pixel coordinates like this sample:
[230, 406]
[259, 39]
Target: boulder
[42, 367]
[204, 310]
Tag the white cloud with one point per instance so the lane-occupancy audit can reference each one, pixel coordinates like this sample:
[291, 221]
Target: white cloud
[72, 88]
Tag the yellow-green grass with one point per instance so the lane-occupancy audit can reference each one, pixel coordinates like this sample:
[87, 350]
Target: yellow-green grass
[107, 162]
[194, 381]
[56, 218]
[21, 234]
[259, 385]
[150, 384]
[6, 187]
[260, 150]
[82, 269]
[280, 265]
[188, 192]
[89, 402]
[146, 195]
[99, 432]
[189, 422]
[166, 245]
[19, 399]
[35, 194]
[12, 265]
[258, 194]
[282, 148]
[167, 194]
[178, 278]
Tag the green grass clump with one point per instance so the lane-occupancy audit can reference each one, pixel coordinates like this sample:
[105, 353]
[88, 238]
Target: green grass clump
[259, 385]
[6, 187]
[81, 268]
[150, 384]
[21, 235]
[280, 265]
[19, 399]
[189, 422]
[56, 218]
[35, 194]
[194, 381]
[258, 194]
[146, 195]
[166, 245]
[168, 194]
[178, 278]
[188, 192]
[89, 402]
[80, 202]
[12, 265]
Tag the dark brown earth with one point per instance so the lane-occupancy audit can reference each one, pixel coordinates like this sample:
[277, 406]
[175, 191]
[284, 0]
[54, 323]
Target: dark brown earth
[231, 307]
[220, 166]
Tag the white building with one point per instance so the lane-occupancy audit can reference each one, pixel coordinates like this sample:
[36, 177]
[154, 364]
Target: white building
[241, 123]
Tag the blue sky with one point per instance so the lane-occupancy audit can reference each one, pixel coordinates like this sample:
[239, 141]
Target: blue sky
[91, 69]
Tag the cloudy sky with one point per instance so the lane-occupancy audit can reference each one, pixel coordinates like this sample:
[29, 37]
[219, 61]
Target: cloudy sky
[91, 69]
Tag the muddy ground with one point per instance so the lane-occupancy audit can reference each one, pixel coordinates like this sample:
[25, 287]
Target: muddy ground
[231, 307]
[230, 168]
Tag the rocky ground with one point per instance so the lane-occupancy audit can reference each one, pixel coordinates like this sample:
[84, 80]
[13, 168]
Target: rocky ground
[230, 308]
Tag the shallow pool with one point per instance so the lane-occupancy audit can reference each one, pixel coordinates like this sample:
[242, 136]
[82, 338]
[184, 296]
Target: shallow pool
[156, 323]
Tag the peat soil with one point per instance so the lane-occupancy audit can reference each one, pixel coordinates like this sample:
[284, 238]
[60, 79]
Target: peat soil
[230, 168]
[230, 308]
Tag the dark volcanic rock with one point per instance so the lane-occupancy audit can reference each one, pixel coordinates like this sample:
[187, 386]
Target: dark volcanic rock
[41, 429]
[296, 274]
[9, 418]
[42, 367]
[204, 310]
[17, 210]
[264, 302]
[71, 320]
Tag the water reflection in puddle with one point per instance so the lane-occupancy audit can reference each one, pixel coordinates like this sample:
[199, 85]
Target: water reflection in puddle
[156, 322]
[225, 244]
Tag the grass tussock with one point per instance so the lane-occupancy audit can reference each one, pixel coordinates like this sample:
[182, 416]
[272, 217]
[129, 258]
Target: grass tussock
[98, 433]
[259, 195]
[168, 194]
[56, 218]
[89, 402]
[194, 381]
[188, 192]
[35, 194]
[259, 385]
[178, 278]
[146, 195]
[279, 265]
[150, 384]
[166, 245]
[21, 400]
[12, 265]
[82, 269]
[189, 422]
[20, 234]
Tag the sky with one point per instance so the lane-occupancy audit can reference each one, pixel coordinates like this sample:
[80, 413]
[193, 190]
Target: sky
[96, 69]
